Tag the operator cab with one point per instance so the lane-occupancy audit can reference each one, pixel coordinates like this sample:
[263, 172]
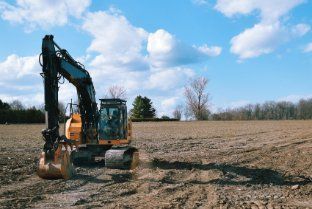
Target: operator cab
[113, 120]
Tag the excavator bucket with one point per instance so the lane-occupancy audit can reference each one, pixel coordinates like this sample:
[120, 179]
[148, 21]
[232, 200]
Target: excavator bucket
[59, 168]
[122, 158]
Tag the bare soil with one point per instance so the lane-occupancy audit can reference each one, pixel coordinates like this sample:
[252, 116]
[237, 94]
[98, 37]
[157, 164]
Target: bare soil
[258, 164]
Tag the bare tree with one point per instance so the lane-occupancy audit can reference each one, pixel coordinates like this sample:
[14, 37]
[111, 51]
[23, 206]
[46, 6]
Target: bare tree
[187, 114]
[62, 111]
[197, 98]
[117, 92]
[17, 105]
[177, 113]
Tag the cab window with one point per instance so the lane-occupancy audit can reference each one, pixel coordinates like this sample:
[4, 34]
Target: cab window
[111, 123]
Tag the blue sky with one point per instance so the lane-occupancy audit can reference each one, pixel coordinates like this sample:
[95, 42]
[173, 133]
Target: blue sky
[251, 51]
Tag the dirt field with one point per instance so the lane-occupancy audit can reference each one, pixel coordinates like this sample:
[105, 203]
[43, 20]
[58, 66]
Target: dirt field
[183, 165]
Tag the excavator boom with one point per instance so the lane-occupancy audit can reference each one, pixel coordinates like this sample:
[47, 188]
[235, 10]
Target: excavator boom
[57, 63]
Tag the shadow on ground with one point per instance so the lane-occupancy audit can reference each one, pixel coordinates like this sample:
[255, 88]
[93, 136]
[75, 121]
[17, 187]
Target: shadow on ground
[115, 177]
[232, 173]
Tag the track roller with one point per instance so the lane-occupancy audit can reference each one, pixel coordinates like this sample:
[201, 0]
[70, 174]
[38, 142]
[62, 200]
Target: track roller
[126, 158]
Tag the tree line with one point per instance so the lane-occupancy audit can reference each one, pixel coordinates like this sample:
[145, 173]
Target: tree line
[196, 107]
[282, 110]
[15, 112]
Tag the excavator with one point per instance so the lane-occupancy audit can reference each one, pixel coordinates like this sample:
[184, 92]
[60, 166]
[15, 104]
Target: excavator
[91, 133]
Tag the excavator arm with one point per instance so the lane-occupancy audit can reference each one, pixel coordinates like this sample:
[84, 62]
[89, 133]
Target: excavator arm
[57, 63]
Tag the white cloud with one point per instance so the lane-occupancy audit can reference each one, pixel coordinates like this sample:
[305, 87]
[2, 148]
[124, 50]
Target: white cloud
[136, 59]
[18, 87]
[300, 29]
[169, 103]
[308, 48]
[119, 45]
[230, 8]
[212, 51]
[162, 80]
[270, 10]
[160, 42]
[21, 80]
[113, 34]
[264, 39]
[105, 76]
[167, 106]
[265, 36]
[42, 13]
[200, 2]
[15, 67]
[122, 45]
[29, 100]
[150, 64]
[165, 50]
[67, 91]
[258, 40]
[169, 78]
[294, 97]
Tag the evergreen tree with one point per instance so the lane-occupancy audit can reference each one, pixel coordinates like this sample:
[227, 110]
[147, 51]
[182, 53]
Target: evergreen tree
[142, 108]
[4, 105]
[17, 113]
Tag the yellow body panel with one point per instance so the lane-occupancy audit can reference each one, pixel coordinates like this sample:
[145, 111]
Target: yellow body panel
[73, 128]
[73, 132]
